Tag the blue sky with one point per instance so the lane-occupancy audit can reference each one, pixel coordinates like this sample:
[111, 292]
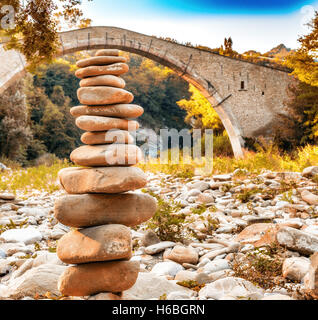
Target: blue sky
[258, 24]
[225, 6]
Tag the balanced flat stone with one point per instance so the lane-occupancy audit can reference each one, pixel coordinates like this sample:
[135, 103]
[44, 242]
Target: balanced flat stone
[107, 155]
[97, 123]
[105, 80]
[102, 179]
[115, 69]
[87, 210]
[103, 137]
[99, 61]
[103, 95]
[91, 278]
[107, 52]
[117, 110]
[102, 243]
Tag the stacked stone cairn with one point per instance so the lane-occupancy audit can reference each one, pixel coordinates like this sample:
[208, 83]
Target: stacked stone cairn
[100, 205]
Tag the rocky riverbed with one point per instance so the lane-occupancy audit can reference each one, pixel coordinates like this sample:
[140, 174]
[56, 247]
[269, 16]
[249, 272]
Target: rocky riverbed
[233, 236]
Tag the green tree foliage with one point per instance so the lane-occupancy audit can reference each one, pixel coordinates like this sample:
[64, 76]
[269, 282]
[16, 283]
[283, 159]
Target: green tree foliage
[31, 123]
[51, 122]
[15, 134]
[59, 73]
[156, 89]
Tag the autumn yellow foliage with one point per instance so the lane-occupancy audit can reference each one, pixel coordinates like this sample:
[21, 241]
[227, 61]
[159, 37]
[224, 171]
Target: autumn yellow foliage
[199, 108]
[304, 60]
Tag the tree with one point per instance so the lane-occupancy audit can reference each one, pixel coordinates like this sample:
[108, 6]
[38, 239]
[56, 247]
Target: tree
[36, 25]
[304, 61]
[228, 46]
[51, 122]
[53, 132]
[200, 113]
[15, 134]
[59, 73]
[14, 137]
[157, 89]
[304, 110]
[72, 132]
[303, 105]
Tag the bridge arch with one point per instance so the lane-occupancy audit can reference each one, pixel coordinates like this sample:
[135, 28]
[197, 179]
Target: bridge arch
[215, 76]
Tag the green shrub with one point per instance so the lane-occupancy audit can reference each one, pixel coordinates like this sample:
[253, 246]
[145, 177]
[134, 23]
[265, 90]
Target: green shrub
[167, 225]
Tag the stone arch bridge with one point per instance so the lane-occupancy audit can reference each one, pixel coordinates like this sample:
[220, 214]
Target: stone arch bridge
[249, 98]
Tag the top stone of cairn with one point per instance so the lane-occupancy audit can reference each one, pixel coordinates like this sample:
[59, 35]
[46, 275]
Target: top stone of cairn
[98, 61]
[102, 57]
[107, 52]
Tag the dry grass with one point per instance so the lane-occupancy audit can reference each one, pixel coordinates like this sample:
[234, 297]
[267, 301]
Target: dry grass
[191, 284]
[262, 267]
[253, 162]
[42, 178]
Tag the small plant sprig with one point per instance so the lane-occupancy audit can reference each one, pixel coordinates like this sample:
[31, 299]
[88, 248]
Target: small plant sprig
[167, 225]
[263, 267]
[199, 210]
[13, 225]
[191, 284]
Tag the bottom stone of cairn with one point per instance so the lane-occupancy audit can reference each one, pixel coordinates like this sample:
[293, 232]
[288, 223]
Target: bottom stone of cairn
[92, 278]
